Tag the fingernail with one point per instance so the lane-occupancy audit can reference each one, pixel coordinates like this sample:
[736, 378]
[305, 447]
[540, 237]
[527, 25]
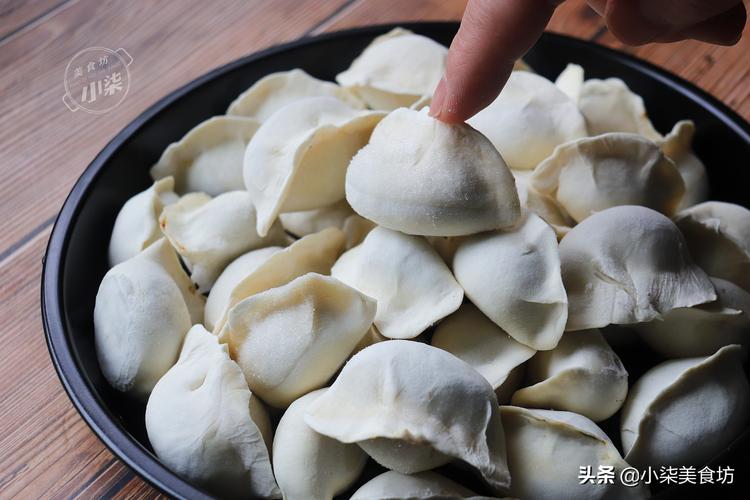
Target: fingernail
[438, 99]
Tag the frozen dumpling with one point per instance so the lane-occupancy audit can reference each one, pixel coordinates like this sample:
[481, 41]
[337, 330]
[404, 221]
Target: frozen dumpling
[718, 235]
[311, 221]
[472, 337]
[144, 307]
[209, 233]
[582, 375]
[677, 145]
[298, 159]
[421, 486]
[450, 179]
[413, 407]
[291, 339]
[274, 91]
[701, 330]
[218, 300]
[395, 70]
[529, 119]
[628, 264]
[547, 450]
[206, 426]
[588, 175]
[684, 412]
[309, 465]
[514, 278]
[137, 223]
[314, 253]
[209, 158]
[411, 283]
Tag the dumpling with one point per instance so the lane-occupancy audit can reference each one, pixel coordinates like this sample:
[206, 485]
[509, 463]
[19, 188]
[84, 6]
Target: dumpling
[626, 265]
[421, 486]
[570, 81]
[298, 159]
[610, 106]
[411, 283]
[677, 145]
[544, 207]
[395, 70]
[311, 221]
[472, 337]
[218, 300]
[209, 233]
[413, 407]
[356, 228]
[309, 465]
[137, 223]
[209, 158]
[588, 175]
[703, 329]
[274, 91]
[582, 375]
[291, 339]
[144, 307]
[529, 118]
[718, 235]
[684, 412]
[547, 449]
[314, 253]
[514, 278]
[206, 426]
[451, 180]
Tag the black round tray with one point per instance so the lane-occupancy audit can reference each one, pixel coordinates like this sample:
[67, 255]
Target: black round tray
[76, 257]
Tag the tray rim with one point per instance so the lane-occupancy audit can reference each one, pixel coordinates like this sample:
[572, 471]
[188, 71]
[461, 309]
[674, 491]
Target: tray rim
[117, 439]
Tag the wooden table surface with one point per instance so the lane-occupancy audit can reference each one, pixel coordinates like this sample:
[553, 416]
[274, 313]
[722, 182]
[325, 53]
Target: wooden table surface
[46, 450]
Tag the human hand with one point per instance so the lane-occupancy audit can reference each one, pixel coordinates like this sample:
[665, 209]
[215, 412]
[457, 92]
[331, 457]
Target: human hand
[494, 33]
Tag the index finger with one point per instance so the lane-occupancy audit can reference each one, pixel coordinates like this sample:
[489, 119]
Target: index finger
[493, 34]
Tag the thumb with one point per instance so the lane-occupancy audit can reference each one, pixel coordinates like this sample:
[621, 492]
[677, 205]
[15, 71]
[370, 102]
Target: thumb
[493, 34]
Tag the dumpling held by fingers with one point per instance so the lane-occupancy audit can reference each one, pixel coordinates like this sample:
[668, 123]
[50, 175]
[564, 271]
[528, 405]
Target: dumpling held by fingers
[513, 277]
[529, 119]
[684, 412]
[209, 233]
[137, 223]
[396, 70]
[291, 339]
[412, 285]
[274, 91]
[718, 236]
[582, 375]
[413, 407]
[547, 450]
[144, 307]
[420, 176]
[298, 159]
[205, 424]
[588, 175]
[626, 265]
[308, 465]
[209, 158]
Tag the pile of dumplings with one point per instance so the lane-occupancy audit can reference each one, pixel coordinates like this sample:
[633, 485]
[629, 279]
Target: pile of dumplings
[326, 280]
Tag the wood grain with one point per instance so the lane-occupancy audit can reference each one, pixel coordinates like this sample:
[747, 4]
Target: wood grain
[44, 147]
[46, 450]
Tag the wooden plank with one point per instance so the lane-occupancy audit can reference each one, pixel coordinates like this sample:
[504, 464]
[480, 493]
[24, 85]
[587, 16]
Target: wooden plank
[44, 147]
[366, 12]
[16, 15]
[722, 71]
